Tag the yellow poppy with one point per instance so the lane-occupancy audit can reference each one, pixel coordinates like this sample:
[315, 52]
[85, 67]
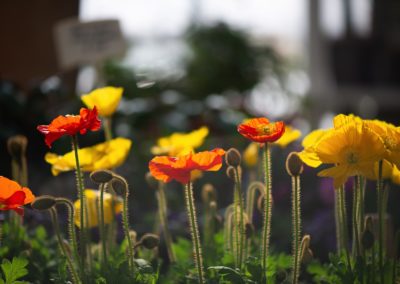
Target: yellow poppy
[290, 135]
[353, 149]
[92, 201]
[179, 144]
[308, 155]
[105, 155]
[105, 99]
[390, 135]
[395, 175]
[250, 155]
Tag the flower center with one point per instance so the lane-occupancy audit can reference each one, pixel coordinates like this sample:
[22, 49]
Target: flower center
[389, 142]
[267, 129]
[351, 158]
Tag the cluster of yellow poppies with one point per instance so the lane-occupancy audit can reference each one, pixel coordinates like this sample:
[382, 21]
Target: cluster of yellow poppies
[354, 147]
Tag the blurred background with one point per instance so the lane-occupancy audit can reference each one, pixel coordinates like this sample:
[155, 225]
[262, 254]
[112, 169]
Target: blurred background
[184, 64]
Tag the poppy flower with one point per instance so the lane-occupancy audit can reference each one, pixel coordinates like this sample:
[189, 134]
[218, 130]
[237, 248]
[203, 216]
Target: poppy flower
[13, 196]
[179, 168]
[92, 199]
[70, 125]
[261, 130]
[105, 99]
[179, 144]
[106, 155]
[353, 149]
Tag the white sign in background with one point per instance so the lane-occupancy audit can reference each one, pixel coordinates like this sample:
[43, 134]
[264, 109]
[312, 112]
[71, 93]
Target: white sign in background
[80, 43]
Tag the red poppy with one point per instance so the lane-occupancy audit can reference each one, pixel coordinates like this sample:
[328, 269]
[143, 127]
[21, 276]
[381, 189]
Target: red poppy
[13, 196]
[70, 125]
[166, 168]
[261, 130]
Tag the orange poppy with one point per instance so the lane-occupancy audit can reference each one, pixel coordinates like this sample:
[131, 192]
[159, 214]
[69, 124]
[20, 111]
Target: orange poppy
[70, 125]
[13, 196]
[166, 168]
[261, 130]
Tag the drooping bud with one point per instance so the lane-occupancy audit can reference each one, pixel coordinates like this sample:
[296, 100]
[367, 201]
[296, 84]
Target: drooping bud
[16, 146]
[43, 202]
[260, 203]
[119, 184]
[208, 193]
[233, 157]
[294, 165]
[149, 241]
[249, 230]
[151, 181]
[306, 253]
[101, 176]
[230, 172]
[367, 237]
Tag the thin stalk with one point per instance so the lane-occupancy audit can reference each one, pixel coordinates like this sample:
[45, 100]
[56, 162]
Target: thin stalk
[339, 227]
[162, 211]
[107, 128]
[380, 193]
[250, 200]
[102, 225]
[54, 219]
[356, 232]
[71, 228]
[343, 221]
[191, 209]
[296, 211]
[239, 220]
[267, 210]
[125, 225]
[82, 235]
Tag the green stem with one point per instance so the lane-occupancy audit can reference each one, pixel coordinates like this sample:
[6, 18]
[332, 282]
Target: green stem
[338, 219]
[54, 219]
[356, 232]
[380, 193]
[71, 228]
[82, 235]
[162, 211]
[267, 210]
[102, 225]
[194, 231]
[239, 224]
[296, 227]
[343, 221]
[125, 224]
[107, 128]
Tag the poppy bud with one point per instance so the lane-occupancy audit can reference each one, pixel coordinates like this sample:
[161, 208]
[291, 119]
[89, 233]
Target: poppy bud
[43, 202]
[294, 165]
[101, 176]
[367, 239]
[119, 184]
[306, 252]
[230, 172]
[208, 193]
[233, 157]
[249, 230]
[17, 146]
[151, 181]
[150, 241]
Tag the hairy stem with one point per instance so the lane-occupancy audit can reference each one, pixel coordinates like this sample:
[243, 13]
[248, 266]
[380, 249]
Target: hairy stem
[343, 221]
[380, 192]
[191, 209]
[162, 211]
[102, 225]
[267, 209]
[54, 219]
[79, 180]
[296, 211]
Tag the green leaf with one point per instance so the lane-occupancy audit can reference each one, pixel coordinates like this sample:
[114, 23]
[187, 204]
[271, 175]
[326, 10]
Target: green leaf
[14, 270]
[229, 274]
